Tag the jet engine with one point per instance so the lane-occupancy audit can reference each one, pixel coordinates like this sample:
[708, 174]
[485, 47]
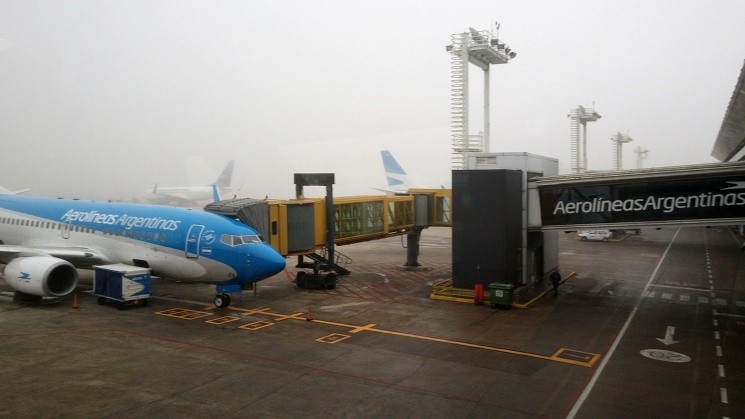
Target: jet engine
[44, 276]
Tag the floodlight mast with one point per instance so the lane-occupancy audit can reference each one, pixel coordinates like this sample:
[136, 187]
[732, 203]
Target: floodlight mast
[641, 155]
[580, 116]
[618, 140]
[481, 48]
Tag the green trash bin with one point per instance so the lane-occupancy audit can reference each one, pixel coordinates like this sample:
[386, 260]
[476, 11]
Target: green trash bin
[500, 295]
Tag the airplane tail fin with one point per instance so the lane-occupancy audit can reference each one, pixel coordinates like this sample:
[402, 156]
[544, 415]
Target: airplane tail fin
[216, 193]
[4, 191]
[226, 177]
[398, 180]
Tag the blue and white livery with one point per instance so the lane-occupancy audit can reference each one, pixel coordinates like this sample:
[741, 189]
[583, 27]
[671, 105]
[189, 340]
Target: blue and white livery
[44, 240]
[398, 180]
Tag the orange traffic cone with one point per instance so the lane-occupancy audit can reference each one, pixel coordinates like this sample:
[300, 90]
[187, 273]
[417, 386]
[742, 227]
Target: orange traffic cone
[75, 304]
[309, 317]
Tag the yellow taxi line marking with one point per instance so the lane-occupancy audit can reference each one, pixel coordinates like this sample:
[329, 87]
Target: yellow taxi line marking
[555, 357]
[332, 338]
[296, 316]
[468, 345]
[247, 312]
[543, 294]
[265, 311]
[222, 320]
[185, 314]
[563, 355]
[363, 328]
[256, 325]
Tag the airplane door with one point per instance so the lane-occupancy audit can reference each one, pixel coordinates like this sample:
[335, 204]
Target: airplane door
[65, 230]
[192, 241]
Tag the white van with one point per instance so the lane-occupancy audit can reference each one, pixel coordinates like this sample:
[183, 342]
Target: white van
[603, 235]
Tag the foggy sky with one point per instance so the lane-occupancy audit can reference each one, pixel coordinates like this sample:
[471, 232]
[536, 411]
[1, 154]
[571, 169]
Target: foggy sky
[102, 99]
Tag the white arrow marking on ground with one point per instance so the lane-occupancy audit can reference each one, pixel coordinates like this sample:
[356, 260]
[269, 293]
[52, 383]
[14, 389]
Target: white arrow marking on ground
[669, 336]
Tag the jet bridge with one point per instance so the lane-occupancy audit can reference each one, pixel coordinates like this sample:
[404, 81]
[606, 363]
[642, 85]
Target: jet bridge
[695, 195]
[298, 227]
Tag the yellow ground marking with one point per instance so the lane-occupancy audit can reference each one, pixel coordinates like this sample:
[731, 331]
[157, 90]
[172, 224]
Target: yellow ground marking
[363, 328]
[333, 338]
[563, 355]
[280, 317]
[267, 312]
[445, 292]
[248, 312]
[222, 320]
[543, 294]
[182, 313]
[556, 357]
[256, 325]
[571, 356]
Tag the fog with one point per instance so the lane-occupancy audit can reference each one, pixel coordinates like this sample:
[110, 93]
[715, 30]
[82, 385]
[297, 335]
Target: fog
[103, 99]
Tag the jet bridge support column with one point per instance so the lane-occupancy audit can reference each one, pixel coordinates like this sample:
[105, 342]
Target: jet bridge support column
[412, 248]
[423, 218]
[327, 180]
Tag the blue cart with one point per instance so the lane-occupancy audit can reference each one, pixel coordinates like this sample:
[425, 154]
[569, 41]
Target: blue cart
[122, 284]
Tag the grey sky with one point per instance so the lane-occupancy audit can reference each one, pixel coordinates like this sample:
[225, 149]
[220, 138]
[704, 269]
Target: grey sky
[105, 98]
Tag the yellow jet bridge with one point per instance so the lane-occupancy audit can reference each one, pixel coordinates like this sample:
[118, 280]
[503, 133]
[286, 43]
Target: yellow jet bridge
[297, 227]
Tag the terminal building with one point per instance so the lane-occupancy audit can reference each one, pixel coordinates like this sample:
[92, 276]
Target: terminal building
[730, 143]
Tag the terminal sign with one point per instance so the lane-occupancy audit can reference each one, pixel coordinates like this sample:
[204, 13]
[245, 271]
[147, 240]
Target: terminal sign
[709, 198]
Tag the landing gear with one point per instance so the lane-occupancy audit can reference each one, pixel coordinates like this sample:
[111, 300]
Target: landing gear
[222, 300]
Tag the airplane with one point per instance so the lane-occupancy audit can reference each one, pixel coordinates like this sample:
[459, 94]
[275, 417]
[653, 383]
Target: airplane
[398, 180]
[191, 194]
[44, 240]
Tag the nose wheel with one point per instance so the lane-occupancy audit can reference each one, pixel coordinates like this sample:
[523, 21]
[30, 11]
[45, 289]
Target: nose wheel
[222, 300]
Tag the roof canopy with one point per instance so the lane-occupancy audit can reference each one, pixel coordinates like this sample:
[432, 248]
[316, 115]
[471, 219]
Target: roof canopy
[731, 138]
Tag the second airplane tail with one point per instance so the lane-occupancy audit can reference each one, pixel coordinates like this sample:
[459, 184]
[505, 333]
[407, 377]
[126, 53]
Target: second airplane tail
[398, 180]
[226, 177]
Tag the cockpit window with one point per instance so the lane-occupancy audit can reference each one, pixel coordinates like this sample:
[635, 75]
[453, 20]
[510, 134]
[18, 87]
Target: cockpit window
[231, 240]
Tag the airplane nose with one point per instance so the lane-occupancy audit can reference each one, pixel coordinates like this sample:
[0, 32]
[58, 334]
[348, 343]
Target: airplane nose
[272, 262]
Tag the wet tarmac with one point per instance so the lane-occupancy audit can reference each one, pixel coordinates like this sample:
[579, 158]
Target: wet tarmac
[651, 326]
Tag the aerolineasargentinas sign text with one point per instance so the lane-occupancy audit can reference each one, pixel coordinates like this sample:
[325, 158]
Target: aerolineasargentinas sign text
[644, 201]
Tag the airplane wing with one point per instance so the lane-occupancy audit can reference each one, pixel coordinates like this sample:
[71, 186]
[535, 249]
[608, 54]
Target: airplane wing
[76, 255]
[184, 196]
